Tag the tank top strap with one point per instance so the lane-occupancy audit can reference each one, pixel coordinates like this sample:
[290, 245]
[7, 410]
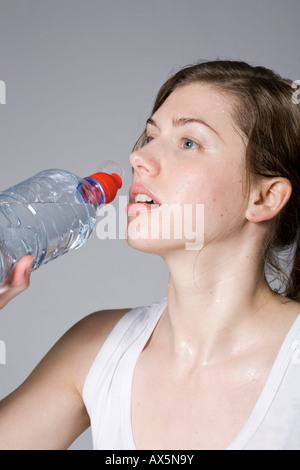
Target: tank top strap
[107, 387]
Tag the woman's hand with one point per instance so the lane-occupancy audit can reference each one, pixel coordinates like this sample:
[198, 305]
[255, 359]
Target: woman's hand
[18, 281]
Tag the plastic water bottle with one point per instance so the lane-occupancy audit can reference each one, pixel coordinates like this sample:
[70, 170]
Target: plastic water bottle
[50, 214]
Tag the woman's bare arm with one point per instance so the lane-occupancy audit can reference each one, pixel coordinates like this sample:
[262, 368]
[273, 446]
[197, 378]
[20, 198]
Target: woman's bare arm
[47, 410]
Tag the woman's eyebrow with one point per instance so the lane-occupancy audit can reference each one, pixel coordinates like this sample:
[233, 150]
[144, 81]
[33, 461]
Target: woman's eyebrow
[183, 121]
[152, 122]
[176, 122]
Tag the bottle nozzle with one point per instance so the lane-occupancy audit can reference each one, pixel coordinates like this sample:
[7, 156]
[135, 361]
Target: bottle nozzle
[107, 186]
[118, 180]
[108, 166]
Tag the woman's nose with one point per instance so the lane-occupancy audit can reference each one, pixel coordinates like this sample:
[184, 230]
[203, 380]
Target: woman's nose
[145, 162]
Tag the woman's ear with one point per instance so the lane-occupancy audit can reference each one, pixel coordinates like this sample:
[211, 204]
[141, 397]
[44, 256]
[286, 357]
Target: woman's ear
[267, 197]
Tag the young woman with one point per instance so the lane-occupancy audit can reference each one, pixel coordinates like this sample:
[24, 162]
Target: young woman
[215, 365]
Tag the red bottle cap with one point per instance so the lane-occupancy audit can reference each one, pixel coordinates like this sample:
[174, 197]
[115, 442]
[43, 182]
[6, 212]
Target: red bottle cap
[109, 183]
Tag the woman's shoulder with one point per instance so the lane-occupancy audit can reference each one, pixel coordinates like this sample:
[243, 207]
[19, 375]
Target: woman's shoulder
[85, 339]
[79, 346]
[98, 325]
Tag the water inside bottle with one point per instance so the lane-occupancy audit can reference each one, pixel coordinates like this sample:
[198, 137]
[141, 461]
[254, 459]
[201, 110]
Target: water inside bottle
[44, 230]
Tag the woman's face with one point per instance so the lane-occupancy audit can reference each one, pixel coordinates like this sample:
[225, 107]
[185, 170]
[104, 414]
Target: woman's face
[193, 156]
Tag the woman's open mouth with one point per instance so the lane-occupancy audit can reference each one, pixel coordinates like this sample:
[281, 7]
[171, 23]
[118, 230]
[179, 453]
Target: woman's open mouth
[141, 199]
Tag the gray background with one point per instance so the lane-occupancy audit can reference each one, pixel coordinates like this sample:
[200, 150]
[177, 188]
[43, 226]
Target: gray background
[81, 77]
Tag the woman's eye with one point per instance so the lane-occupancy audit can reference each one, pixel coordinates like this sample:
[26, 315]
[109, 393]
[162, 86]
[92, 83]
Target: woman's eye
[189, 144]
[147, 139]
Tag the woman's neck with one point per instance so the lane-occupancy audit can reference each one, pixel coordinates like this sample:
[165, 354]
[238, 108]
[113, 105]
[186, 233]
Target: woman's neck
[218, 301]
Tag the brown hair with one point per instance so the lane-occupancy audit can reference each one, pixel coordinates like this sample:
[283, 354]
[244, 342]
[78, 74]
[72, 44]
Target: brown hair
[266, 115]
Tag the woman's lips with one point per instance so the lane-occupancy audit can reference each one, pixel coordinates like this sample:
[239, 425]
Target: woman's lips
[136, 189]
[134, 208]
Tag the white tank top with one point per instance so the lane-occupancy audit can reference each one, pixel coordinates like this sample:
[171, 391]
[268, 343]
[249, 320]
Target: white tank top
[274, 423]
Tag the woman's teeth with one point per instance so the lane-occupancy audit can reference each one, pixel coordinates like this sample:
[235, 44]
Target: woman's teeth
[143, 198]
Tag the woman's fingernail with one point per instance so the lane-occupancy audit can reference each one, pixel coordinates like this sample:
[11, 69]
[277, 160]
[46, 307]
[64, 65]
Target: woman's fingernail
[28, 269]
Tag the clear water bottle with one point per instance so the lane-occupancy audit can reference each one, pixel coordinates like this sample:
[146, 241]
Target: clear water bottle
[50, 214]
